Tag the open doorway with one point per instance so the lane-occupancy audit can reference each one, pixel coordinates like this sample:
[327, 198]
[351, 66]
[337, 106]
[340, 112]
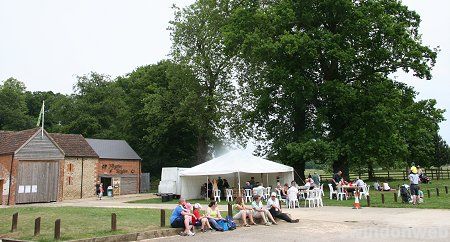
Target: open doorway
[106, 183]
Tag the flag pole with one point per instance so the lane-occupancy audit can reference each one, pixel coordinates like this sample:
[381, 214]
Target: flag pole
[43, 114]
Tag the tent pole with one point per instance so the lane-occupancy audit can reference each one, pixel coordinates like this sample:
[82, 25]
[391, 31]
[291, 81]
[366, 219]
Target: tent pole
[239, 183]
[206, 197]
[267, 180]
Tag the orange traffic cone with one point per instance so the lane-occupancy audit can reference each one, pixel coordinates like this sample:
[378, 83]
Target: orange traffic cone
[356, 204]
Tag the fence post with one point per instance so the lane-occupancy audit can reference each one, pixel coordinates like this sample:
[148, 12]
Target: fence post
[428, 191]
[395, 197]
[388, 175]
[15, 217]
[382, 198]
[113, 222]
[437, 191]
[230, 210]
[58, 229]
[432, 177]
[37, 226]
[163, 218]
[403, 173]
[368, 200]
[446, 189]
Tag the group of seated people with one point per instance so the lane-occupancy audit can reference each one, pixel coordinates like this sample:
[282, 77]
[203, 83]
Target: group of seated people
[183, 217]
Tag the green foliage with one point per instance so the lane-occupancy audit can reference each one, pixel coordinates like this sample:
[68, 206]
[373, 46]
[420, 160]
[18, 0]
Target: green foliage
[13, 108]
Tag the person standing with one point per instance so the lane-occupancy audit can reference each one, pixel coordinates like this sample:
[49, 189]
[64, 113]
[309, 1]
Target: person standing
[316, 179]
[414, 184]
[337, 177]
[100, 191]
[97, 188]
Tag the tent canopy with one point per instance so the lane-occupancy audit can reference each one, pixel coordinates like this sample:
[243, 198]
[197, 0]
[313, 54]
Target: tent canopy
[236, 161]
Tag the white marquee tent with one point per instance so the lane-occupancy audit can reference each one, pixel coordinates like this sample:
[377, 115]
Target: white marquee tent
[237, 167]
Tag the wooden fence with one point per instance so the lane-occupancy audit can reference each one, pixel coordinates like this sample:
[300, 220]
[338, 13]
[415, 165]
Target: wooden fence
[434, 174]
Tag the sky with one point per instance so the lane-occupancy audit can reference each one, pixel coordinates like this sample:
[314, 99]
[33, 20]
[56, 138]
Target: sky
[47, 43]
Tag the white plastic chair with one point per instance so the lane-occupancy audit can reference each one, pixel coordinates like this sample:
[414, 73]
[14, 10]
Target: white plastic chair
[341, 193]
[248, 195]
[217, 195]
[319, 201]
[229, 195]
[310, 197]
[279, 197]
[332, 191]
[267, 192]
[364, 192]
[293, 200]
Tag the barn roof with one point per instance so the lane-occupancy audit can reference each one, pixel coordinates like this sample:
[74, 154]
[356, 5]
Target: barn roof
[74, 145]
[10, 141]
[113, 149]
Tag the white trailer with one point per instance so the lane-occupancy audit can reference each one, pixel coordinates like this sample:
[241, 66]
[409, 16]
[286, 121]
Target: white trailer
[170, 180]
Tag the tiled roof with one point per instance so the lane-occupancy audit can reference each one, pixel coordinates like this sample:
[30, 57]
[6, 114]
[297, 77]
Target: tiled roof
[74, 145]
[113, 149]
[10, 141]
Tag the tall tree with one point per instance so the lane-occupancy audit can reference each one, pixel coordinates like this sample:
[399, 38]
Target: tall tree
[198, 42]
[165, 100]
[305, 52]
[13, 108]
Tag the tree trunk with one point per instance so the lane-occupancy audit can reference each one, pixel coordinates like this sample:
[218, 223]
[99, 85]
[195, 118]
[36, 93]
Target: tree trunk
[341, 164]
[370, 170]
[202, 149]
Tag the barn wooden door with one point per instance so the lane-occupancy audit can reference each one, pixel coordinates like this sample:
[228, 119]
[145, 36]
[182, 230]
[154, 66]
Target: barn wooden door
[37, 181]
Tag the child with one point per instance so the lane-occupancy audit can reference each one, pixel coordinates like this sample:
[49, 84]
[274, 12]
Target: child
[420, 196]
[198, 220]
[100, 192]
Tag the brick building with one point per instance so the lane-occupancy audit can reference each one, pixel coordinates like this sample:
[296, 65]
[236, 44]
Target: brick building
[36, 166]
[118, 166]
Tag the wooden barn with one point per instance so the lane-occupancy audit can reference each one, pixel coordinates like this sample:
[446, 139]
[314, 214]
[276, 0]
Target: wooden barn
[31, 164]
[36, 166]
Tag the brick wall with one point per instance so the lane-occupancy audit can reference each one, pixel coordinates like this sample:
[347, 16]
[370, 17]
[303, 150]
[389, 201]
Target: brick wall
[5, 166]
[79, 177]
[118, 167]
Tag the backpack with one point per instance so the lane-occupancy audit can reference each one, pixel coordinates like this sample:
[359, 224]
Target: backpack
[224, 224]
[231, 223]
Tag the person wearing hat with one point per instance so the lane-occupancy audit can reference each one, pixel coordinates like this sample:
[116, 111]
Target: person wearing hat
[274, 208]
[198, 220]
[414, 184]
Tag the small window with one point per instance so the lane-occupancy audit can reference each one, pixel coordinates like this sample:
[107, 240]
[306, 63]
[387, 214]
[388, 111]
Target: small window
[70, 167]
[70, 180]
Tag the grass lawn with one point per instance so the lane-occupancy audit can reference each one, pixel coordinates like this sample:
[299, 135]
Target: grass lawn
[443, 201]
[77, 222]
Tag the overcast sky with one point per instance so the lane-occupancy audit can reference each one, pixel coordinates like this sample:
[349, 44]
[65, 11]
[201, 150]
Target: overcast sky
[46, 43]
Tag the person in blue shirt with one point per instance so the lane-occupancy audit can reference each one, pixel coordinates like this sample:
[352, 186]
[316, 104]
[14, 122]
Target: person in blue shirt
[181, 218]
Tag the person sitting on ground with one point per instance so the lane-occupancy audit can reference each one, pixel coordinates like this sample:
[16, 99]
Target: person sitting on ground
[274, 208]
[198, 220]
[213, 215]
[261, 212]
[316, 178]
[243, 213]
[181, 218]
[377, 186]
[386, 186]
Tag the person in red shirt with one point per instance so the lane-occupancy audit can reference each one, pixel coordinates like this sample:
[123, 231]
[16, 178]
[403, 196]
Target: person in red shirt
[198, 220]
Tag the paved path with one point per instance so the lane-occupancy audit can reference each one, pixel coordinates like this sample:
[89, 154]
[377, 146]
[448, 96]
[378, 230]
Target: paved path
[316, 224]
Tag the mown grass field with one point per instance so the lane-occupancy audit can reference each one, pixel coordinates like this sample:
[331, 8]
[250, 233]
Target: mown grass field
[443, 201]
[77, 222]
[435, 202]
